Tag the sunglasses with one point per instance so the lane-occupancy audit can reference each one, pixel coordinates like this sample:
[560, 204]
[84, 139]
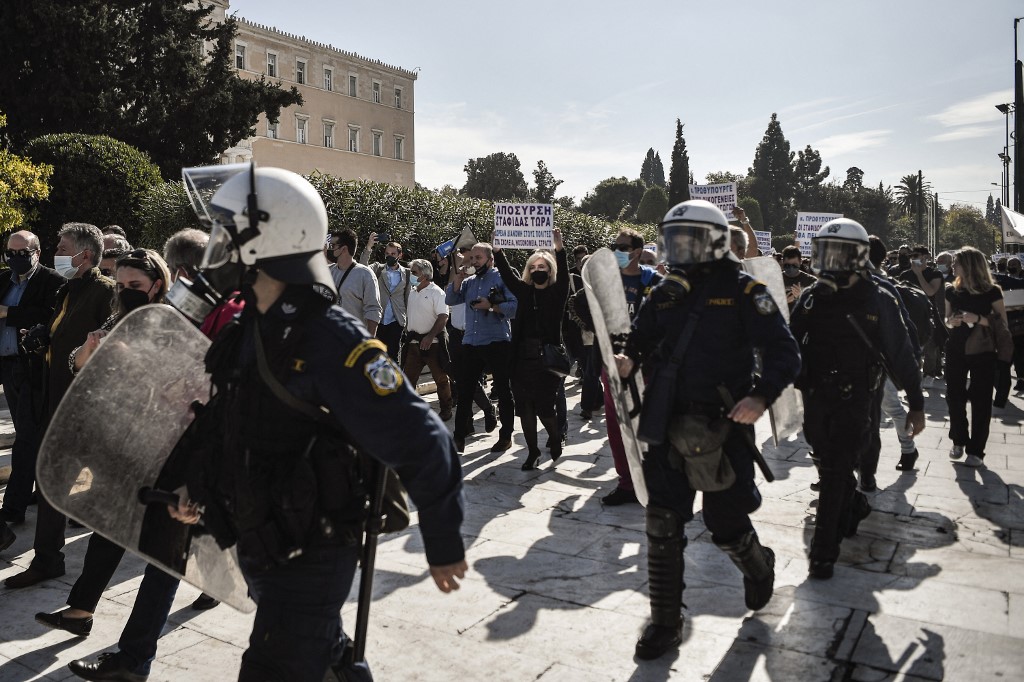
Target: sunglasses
[620, 247]
[14, 253]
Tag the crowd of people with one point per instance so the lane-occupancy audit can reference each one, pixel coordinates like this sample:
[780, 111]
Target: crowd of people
[859, 326]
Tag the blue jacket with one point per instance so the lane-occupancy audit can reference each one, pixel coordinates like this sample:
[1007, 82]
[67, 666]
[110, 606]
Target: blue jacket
[483, 327]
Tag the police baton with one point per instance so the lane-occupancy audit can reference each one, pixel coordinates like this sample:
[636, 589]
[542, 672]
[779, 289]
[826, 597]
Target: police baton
[758, 457]
[369, 557]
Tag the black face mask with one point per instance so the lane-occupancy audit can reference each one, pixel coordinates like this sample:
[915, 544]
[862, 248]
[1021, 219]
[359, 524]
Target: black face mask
[19, 264]
[390, 260]
[132, 299]
[1015, 273]
[331, 258]
[482, 269]
[790, 270]
[539, 276]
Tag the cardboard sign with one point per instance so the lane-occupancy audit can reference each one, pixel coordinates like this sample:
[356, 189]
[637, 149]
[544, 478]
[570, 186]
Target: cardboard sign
[524, 226]
[764, 241]
[723, 195]
[807, 225]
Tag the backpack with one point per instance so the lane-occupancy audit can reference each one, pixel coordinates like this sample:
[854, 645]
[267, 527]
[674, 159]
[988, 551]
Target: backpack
[921, 310]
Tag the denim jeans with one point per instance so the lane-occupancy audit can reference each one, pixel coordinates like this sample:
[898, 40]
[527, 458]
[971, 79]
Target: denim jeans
[137, 646]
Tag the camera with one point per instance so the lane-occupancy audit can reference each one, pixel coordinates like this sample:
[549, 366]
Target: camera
[383, 238]
[37, 338]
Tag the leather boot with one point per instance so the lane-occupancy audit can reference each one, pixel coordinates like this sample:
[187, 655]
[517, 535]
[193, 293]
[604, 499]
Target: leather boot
[757, 564]
[665, 544]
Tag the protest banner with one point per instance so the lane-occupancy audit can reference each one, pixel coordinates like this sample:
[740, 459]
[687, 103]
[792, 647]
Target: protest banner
[1013, 227]
[524, 226]
[807, 225]
[764, 241]
[723, 195]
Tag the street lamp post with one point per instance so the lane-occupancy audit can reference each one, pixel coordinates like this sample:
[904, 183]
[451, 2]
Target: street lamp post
[1006, 110]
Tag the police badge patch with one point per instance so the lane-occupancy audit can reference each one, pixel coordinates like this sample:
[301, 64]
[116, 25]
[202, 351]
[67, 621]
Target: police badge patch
[765, 304]
[384, 375]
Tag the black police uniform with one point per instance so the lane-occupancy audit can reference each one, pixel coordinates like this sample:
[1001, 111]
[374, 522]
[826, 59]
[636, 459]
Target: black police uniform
[283, 488]
[838, 380]
[739, 315]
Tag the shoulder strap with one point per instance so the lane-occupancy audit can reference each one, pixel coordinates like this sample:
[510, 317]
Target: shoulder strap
[315, 413]
[351, 267]
[684, 339]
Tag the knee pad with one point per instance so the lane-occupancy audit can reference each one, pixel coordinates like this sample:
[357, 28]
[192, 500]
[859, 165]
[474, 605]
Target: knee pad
[663, 523]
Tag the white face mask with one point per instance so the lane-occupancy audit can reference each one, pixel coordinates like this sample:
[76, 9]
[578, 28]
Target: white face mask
[63, 266]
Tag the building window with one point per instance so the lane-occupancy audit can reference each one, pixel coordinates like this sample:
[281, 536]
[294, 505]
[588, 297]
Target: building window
[272, 130]
[300, 130]
[398, 98]
[353, 86]
[239, 57]
[328, 135]
[300, 72]
[378, 143]
[399, 148]
[353, 139]
[376, 92]
[328, 78]
[272, 65]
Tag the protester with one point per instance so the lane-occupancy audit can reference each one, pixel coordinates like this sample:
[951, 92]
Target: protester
[426, 342]
[793, 277]
[28, 292]
[538, 323]
[393, 286]
[356, 283]
[972, 300]
[82, 304]
[142, 277]
[490, 306]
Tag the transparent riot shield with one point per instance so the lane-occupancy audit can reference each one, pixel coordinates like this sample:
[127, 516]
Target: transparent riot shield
[607, 301]
[111, 434]
[787, 413]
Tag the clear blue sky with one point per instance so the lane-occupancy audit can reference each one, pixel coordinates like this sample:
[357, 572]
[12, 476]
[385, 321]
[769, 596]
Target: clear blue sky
[890, 87]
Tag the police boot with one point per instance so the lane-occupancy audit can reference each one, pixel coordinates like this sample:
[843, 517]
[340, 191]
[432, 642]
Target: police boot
[665, 543]
[757, 564]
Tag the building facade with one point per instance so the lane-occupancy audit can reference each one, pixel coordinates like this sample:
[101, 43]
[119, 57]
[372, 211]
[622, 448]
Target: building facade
[357, 116]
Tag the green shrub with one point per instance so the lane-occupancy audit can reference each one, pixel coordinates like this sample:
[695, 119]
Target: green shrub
[164, 210]
[96, 179]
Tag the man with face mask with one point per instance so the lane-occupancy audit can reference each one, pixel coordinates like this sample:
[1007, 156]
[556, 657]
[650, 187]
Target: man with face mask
[846, 326]
[795, 279]
[356, 283]
[81, 306]
[393, 284]
[27, 294]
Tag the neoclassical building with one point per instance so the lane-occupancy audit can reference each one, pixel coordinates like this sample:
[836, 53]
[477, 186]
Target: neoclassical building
[356, 121]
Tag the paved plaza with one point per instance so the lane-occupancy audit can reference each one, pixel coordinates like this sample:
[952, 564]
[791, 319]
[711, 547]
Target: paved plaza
[931, 588]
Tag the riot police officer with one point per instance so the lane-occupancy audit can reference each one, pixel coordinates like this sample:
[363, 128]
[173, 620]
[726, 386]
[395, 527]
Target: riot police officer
[276, 482]
[695, 335]
[851, 333]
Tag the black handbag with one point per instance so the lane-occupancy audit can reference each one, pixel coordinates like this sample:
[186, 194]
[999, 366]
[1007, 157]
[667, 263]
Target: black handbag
[555, 359]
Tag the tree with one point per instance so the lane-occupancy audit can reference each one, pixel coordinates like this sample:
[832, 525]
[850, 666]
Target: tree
[679, 175]
[808, 175]
[908, 191]
[96, 179]
[966, 226]
[496, 177]
[658, 171]
[653, 206]
[652, 171]
[614, 198]
[164, 210]
[134, 71]
[21, 184]
[772, 180]
[991, 214]
[854, 179]
[546, 183]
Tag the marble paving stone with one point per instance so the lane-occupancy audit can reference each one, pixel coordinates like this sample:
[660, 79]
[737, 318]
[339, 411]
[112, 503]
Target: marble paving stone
[13, 671]
[205, 656]
[749, 661]
[553, 533]
[963, 568]
[936, 652]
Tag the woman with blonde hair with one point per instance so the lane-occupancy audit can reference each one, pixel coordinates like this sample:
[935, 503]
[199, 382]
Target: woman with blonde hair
[542, 295]
[973, 302]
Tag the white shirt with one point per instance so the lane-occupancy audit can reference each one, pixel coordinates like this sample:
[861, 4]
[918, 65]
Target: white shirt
[424, 307]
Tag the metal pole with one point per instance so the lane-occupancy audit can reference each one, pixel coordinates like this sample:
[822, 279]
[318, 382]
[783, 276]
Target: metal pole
[920, 215]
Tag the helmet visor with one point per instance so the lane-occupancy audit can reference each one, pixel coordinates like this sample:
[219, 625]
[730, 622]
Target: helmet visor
[836, 255]
[219, 249]
[686, 243]
[202, 182]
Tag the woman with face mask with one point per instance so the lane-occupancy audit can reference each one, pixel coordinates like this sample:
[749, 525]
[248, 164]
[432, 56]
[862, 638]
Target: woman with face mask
[542, 293]
[142, 277]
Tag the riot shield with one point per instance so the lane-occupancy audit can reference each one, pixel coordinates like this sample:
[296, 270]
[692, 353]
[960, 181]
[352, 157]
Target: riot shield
[787, 412]
[111, 434]
[607, 301]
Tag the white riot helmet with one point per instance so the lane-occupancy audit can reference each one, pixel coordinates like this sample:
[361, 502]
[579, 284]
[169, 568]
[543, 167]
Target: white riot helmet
[692, 232]
[841, 246]
[267, 218]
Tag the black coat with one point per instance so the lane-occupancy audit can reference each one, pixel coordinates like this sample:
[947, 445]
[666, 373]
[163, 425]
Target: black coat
[38, 301]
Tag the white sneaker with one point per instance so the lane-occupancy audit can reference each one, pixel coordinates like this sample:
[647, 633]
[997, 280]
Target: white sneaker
[973, 461]
[927, 382]
[956, 452]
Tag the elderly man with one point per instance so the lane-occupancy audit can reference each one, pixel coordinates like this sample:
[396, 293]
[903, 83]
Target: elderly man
[82, 304]
[27, 294]
[425, 342]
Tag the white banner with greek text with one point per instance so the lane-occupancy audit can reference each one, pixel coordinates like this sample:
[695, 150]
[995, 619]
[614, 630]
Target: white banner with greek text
[524, 226]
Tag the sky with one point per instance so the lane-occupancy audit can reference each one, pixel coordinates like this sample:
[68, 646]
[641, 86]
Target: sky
[890, 87]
